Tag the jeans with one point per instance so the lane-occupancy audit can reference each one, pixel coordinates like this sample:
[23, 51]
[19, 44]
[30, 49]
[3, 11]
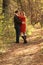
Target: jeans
[17, 33]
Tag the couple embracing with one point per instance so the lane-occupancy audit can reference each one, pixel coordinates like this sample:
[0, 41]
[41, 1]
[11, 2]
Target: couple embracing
[20, 25]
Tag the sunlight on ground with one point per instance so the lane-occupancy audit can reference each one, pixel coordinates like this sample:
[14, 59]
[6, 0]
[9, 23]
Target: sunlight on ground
[2, 50]
[30, 50]
[9, 64]
[41, 45]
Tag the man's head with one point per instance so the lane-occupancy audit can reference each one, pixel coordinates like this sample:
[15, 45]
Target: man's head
[17, 12]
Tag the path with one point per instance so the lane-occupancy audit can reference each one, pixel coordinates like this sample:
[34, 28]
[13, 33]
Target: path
[20, 54]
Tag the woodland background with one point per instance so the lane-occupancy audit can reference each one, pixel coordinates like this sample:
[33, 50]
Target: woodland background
[34, 13]
[21, 54]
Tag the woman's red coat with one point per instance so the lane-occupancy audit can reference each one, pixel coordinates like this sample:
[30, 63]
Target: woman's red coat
[23, 26]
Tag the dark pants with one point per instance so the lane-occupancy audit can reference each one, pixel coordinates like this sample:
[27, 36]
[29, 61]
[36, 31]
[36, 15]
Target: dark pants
[17, 33]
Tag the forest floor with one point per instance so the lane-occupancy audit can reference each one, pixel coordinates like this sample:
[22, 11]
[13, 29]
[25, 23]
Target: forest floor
[25, 54]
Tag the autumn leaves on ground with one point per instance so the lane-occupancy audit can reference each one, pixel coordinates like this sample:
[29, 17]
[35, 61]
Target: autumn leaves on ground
[25, 54]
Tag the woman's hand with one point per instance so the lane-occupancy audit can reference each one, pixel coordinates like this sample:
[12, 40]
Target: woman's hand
[23, 23]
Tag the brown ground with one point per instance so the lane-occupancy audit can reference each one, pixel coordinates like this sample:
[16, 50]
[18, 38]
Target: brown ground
[25, 54]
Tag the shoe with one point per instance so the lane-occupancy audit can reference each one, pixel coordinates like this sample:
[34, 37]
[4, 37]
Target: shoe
[25, 42]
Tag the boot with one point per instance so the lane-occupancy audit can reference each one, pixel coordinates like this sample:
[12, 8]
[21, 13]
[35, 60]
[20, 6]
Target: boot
[25, 41]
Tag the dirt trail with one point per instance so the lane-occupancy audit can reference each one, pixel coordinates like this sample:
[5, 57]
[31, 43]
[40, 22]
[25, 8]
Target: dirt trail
[24, 54]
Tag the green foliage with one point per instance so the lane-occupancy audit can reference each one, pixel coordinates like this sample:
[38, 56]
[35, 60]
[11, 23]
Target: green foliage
[7, 31]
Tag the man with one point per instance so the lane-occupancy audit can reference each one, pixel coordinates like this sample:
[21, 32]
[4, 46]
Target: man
[17, 24]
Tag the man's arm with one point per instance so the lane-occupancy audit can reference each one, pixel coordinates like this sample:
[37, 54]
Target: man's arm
[17, 20]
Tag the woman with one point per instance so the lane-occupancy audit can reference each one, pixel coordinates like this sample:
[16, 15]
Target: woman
[23, 26]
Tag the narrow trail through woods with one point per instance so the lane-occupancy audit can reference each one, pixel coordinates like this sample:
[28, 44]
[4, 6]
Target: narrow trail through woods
[25, 54]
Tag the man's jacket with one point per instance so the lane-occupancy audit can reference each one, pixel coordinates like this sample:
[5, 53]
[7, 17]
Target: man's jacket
[17, 21]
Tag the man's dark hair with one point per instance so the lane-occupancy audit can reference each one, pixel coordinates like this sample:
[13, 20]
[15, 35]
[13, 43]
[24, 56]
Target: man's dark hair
[16, 11]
